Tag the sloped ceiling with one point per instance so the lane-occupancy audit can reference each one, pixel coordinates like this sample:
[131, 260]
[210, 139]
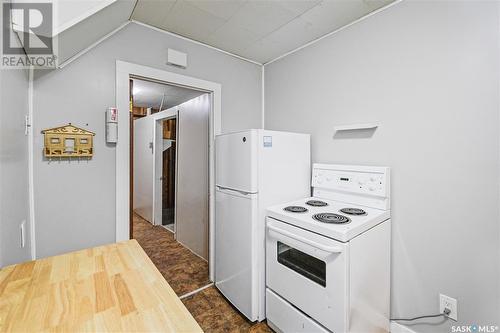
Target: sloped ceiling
[88, 29]
[78, 24]
[259, 30]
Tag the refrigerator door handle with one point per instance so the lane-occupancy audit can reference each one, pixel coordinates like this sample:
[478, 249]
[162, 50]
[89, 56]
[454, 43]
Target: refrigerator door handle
[233, 190]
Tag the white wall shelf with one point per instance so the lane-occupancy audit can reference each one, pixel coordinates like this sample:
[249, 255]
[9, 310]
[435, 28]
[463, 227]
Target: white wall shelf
[355, 127]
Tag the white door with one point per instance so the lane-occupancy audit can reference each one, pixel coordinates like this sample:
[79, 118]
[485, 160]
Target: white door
[158, 155]
[235, 266]
[159, 147]
[143, 168]
[236, 161]
[191, 223]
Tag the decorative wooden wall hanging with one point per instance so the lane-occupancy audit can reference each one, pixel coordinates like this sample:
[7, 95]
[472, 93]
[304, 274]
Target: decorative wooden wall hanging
[68, 141]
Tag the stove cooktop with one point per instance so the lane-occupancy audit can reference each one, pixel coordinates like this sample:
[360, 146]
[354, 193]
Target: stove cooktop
[333, 219]
[316, 203]
[295, 209]
[353, 211]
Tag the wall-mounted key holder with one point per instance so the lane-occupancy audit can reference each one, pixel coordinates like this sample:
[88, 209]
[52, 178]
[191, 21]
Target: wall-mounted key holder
[68, 141]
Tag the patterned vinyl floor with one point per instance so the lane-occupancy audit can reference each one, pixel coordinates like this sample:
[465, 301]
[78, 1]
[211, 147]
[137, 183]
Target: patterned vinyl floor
[186, 272]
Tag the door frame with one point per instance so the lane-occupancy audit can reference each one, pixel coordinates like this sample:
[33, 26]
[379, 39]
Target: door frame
[157, 117]
[124, 71]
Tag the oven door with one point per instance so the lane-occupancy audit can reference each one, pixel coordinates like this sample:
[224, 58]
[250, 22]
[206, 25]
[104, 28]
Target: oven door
[310, 271]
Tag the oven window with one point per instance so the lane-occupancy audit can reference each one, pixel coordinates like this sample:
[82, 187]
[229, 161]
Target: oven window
[302, 263]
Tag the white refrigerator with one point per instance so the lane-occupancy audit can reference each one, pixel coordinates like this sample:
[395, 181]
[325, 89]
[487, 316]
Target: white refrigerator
[254, 169]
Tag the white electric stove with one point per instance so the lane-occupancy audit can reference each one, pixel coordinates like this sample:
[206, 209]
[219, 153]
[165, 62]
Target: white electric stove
[328, 256]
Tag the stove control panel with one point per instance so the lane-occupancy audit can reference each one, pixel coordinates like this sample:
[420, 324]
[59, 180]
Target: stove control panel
[372, 181]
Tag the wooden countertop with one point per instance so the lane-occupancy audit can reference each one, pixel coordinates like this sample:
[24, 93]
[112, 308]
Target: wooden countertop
[108, 288]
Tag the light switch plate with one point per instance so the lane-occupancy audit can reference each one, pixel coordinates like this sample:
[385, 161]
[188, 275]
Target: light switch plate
[22, 231]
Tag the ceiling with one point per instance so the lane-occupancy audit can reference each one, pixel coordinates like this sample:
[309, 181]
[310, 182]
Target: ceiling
[260, 30]
[149, 94]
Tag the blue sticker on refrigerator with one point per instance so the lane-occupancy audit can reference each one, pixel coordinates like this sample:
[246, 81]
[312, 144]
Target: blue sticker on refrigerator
[268, 141]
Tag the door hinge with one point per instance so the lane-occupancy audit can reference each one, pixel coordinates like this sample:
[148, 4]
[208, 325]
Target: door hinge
[27, 124]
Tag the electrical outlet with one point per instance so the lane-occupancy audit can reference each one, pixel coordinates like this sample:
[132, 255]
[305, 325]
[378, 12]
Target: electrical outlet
[446, 302]
[22, 230]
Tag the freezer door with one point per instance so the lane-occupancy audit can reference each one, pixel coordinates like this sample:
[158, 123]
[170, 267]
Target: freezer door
[235, 258]
[236, 161]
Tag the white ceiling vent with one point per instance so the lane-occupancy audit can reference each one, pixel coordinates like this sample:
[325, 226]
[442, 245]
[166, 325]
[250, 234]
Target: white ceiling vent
[176, 58]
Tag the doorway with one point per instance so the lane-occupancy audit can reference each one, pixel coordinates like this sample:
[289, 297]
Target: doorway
[125, 71]
[166, 166]
[169, 174]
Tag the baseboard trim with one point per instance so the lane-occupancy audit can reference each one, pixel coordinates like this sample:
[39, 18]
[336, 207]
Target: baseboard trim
[398, 328]
[196, 291]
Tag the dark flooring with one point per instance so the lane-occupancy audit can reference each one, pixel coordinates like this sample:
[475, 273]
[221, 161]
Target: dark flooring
[214, 314]
[186, 272]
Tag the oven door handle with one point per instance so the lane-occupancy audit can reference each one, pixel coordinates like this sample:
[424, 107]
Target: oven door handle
[326, 248]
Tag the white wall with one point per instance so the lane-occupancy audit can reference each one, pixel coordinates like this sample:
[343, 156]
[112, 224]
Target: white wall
[14, 207]
[429, 73]
[75, 201]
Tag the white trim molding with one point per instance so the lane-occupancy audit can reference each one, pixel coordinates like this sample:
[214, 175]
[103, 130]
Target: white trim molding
[263, 98]
[398, 328]
[31, 186]
[125, 71]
